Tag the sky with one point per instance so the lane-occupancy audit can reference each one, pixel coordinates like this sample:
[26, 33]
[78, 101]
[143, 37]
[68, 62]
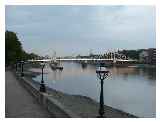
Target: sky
[73, 30]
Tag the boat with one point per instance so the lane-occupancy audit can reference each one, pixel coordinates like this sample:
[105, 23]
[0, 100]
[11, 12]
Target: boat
[55, 67]
[133, 66]
[84, 65]
[104, 64]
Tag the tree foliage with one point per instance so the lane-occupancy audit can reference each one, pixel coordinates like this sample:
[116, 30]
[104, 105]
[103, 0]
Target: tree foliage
[133, 54]
[13, 49]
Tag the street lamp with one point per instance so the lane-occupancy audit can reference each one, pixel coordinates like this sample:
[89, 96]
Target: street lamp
[102, 73]
[22, 73]
[16, 66]
[42, 85]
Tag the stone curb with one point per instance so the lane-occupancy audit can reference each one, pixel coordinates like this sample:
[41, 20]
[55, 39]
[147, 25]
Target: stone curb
[52, 105]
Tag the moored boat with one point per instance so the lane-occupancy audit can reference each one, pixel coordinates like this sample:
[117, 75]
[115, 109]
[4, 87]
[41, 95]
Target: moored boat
[54, 67]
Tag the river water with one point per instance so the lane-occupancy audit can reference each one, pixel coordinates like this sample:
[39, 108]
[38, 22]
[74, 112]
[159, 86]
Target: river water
[129, 89]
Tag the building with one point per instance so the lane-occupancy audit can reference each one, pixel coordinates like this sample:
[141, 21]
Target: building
[143, 56]
[152, 56]
[148, 56]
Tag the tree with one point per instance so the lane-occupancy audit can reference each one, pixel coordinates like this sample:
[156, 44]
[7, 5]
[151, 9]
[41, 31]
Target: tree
[133, 54]
[14, 50]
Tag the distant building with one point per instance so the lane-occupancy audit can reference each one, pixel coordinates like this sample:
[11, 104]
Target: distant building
[148, 56]
[143, 56]
[47, 57]
[152, 56]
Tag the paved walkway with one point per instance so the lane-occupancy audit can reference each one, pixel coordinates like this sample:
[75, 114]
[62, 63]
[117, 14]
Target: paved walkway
[19, 102]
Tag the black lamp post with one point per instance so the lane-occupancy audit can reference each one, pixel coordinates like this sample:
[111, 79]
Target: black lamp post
[22, 73]
[101, 74]
[42, 85]
[16, 66]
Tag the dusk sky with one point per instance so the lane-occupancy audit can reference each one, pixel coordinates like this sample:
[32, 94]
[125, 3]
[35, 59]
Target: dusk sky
[73, 30]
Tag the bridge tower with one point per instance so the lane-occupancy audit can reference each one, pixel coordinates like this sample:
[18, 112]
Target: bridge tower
[54, 57]
[114, 57]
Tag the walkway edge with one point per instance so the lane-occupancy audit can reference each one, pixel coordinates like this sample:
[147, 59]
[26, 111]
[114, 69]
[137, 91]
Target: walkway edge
[47, 100]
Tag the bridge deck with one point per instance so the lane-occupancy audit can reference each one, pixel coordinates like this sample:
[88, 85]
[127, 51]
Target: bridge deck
[82, 59]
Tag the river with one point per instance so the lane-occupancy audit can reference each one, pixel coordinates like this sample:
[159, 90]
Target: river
[129, 89]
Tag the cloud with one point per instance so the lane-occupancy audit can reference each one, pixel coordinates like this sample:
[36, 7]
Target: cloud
[78, 29]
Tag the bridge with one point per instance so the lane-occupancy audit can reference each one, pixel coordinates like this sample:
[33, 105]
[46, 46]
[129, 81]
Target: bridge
[82, 59]
[113, 57]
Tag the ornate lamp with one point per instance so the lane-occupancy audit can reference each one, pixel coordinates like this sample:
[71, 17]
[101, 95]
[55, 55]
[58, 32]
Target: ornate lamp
[102, 73]
[22, 73]
[42, 84]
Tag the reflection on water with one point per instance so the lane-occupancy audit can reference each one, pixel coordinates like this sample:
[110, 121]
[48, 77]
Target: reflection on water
[129, 89]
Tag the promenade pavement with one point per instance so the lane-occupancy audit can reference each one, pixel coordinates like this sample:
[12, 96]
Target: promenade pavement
[19, 103]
